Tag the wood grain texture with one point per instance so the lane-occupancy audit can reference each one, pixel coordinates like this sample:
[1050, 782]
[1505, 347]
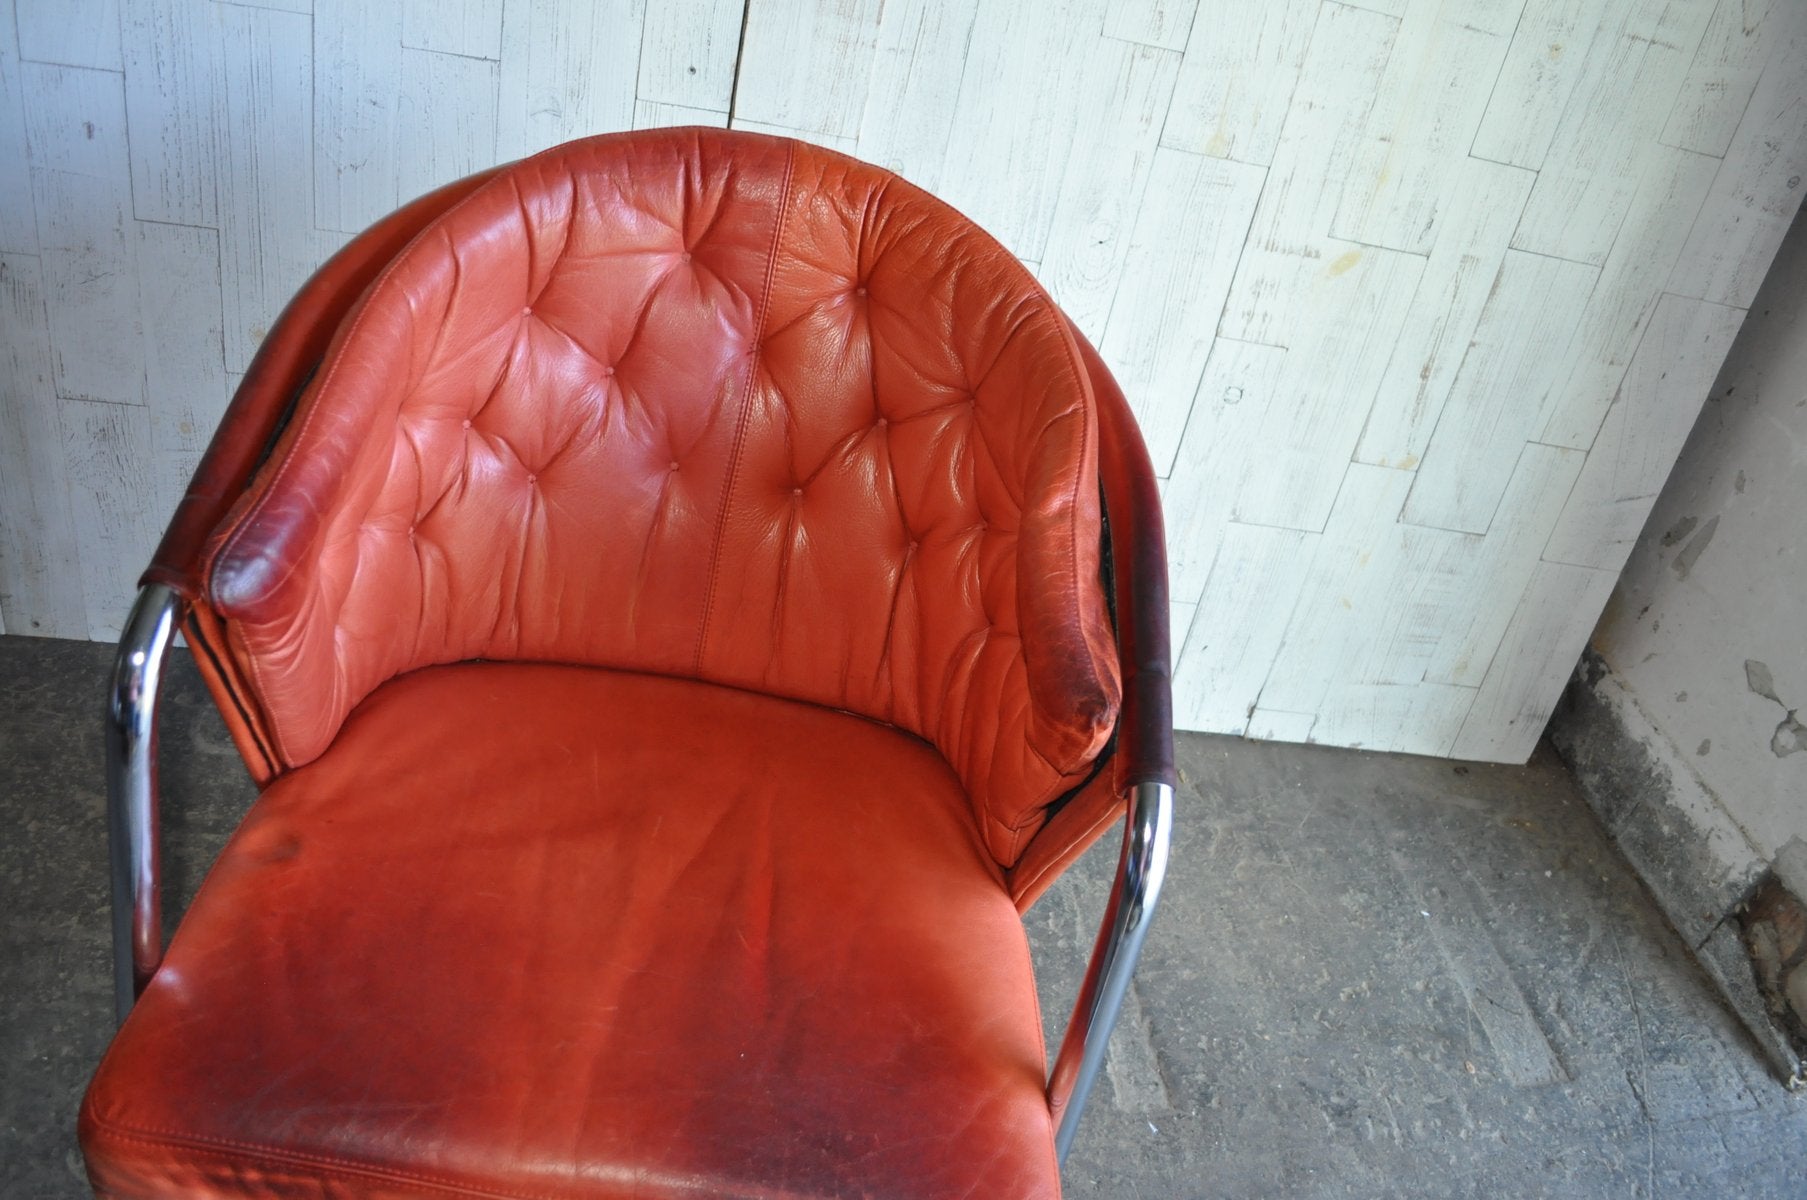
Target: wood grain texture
[171, 71]
[18, 215]
[472, 28]
[82, 189]
[805, 66]
[915, 86]
[1371, 273]
[568, 70]
[1496, 402]
[40, 554]
[1683, 345]
[70, 33]
[687, 52]
[1236, 83]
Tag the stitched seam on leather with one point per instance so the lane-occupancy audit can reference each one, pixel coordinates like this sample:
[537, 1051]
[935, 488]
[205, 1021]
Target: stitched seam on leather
[222, 1147]
[746, 401]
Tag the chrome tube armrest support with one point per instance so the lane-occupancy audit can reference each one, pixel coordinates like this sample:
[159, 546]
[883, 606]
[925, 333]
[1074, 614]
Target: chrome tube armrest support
[1140, 870]
[132, 838]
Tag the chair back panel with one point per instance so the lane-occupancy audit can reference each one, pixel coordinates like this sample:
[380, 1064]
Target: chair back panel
[703, 404]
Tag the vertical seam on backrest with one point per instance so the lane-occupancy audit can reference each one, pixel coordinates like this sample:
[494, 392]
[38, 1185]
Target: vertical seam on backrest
[746, 401]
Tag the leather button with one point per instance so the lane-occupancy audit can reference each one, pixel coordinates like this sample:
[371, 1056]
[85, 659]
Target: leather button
[608, 370]
[467, 423]
[674, 466]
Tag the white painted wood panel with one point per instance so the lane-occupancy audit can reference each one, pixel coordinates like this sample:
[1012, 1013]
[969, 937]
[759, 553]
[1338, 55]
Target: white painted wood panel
[1285, 223]
[469, 27]
[1684, 343]
[1617, 111]
[18, 217]
[1182, 256]
[805, 65]
[1757, 191]
[915, 86]
[568, 69]
[687, 52]
[1236, 83]
[40, 555]
[1126, 88]
[1433, 340]
[70, 33]
[75, 132]
[1163, 23]
[1534, 660]
[171, 70]
[831, 141]
[1496, 403]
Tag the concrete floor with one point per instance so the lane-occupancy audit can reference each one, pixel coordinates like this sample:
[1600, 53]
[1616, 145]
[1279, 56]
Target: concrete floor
[1372, 976]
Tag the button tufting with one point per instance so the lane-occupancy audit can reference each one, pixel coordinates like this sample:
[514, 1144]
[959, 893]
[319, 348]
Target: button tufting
[467, 422]
[685, 256]
[608, 370]
[674, 465]
[532, 478]
[882, 422]
[859, 291]
[796, 491]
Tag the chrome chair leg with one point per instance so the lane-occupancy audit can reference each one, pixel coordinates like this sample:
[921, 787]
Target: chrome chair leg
[131, 722]
[1140, 871]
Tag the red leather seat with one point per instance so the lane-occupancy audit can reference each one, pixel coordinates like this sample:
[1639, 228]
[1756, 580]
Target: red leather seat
[739, 940]
[662, 590]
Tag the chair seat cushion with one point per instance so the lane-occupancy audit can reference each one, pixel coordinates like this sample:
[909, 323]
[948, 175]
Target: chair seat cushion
[550, 931]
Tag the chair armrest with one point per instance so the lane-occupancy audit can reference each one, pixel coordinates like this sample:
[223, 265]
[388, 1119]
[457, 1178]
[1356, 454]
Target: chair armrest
[132, 838]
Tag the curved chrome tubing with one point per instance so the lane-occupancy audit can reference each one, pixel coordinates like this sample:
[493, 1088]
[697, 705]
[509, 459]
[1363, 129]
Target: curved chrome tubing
[1140, 871]
[132, 840]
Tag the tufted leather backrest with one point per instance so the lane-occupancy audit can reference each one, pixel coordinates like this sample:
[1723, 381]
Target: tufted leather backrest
[702, 404]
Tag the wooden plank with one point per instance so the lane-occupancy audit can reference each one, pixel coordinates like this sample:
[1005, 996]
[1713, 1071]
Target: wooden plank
[1725, 70]
[1238, 386]
[1238, 625]
[1431, 96]
[106, 457]
[1179, 265]
[266, 180]
[1497, 401]
[171, 68]
[1489, 574]
[82, 189]
[915, 86]
[355, 97]
[1163, 23]
[1242, 62]
[469, 27]
[1017, 117]
[1179, 624]
[1270, 725]
[1544, 65]
[1656, 405]
[1343, 316]
[289, 6]
[1336, 89]
[40, 562]
[828, 140]
[687, 52]
[1471, 243]
[1628, 85]
[1125, 87]
[1367, 611]
[1757, 191]
[1534, 661]
[648, 115]
[804, 65]
[445, 125]
[1674, 184]
[184, 367]
[1398, 718]
[18, 215]
[71, 33]
[568, 70]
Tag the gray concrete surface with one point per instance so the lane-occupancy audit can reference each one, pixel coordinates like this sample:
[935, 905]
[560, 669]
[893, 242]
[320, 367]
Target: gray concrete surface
[1373, 976]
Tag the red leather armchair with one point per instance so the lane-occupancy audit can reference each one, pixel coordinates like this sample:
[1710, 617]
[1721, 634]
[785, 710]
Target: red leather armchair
[680, 596]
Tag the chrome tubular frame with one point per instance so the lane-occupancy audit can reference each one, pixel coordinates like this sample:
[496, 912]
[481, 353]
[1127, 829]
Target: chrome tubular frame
[1140, 870]
[132, 839]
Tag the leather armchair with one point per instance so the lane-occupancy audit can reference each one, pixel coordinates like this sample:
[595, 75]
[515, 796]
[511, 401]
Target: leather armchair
[681, 596]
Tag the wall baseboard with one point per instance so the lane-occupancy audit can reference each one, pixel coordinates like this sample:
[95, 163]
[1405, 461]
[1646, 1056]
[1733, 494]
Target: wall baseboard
[1695, 860]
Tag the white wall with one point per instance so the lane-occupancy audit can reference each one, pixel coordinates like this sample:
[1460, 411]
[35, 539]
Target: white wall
[1708, 630]
[1372, 273]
